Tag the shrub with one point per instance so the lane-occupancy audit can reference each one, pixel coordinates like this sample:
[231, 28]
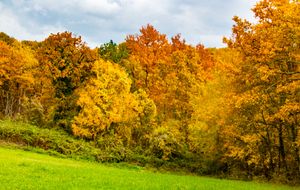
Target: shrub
[164, 145]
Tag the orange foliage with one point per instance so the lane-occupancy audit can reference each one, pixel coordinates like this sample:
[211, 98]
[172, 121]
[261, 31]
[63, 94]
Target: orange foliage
[265, 116]
[16, 79]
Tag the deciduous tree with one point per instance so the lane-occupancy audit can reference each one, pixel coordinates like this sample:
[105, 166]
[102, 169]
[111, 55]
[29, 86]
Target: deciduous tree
[266, 125]
[67, 62]
[16, 79]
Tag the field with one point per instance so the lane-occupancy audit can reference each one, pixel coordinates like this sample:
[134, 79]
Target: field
[26, 170]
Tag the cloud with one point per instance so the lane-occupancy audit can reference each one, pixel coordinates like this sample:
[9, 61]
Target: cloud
[14, 25]
[98, 21]
[98, 6]
[75, 7]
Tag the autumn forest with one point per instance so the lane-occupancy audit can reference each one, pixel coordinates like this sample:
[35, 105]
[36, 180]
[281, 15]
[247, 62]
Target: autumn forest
[232, 112]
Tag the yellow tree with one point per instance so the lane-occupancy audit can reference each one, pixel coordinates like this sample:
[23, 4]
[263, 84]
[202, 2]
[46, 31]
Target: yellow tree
[107, 105]
[187, 76]
[213, 110]
[266, 114]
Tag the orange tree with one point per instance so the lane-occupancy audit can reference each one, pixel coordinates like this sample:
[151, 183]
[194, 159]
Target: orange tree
[265, 127]
[148, 48]
[173, 74]
[66, 62]
[16, 77]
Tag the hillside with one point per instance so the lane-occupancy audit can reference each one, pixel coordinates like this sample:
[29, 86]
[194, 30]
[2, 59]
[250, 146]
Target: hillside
[26, 170]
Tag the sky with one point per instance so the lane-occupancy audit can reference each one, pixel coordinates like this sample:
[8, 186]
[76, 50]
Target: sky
[99, 21]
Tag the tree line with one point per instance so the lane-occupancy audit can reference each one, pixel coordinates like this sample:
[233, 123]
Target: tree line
[234, 110]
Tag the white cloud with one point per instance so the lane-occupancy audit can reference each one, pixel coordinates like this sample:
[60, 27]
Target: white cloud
[90, 42]
[11, 24]
[153, 6]
[98, 6]
[75, 7]
[8, 21]
[101, 20]
[48, 29]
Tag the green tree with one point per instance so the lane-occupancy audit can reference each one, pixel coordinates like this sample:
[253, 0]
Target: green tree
[113, 52]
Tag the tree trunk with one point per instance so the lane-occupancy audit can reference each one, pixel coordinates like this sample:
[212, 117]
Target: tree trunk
[281, 147]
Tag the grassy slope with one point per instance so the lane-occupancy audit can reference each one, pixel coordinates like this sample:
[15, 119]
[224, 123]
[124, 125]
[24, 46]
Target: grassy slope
[24, 170]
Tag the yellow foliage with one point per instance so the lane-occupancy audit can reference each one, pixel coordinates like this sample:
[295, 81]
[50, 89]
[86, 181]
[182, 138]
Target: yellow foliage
[104, 100]
[106, 103]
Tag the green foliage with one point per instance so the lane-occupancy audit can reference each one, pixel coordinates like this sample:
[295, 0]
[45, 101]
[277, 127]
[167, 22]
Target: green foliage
[33, 111]
[108, 148]
[113, 148]
[61, 114]
[58, 141]
[113, 52]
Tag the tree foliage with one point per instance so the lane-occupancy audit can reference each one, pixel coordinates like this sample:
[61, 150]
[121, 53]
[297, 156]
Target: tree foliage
[107, 104]
[16, 79]
[264, 130]
[113, 52]
[66, 60]
[66, 63]
[229, 111]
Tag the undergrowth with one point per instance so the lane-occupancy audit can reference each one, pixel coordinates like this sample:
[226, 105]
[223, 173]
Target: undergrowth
[106, 150]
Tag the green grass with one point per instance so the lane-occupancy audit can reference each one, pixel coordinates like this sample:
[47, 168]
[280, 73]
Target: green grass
[26, 170]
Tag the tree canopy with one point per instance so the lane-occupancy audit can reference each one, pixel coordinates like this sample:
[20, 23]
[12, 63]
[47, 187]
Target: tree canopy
[229, 111]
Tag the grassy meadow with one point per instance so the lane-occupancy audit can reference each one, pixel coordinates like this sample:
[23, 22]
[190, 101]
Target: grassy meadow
[21, 169]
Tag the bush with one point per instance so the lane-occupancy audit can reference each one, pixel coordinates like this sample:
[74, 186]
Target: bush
[58, 141]
[107, 149]
[33, 111]
[163, 145]
[113, 149]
